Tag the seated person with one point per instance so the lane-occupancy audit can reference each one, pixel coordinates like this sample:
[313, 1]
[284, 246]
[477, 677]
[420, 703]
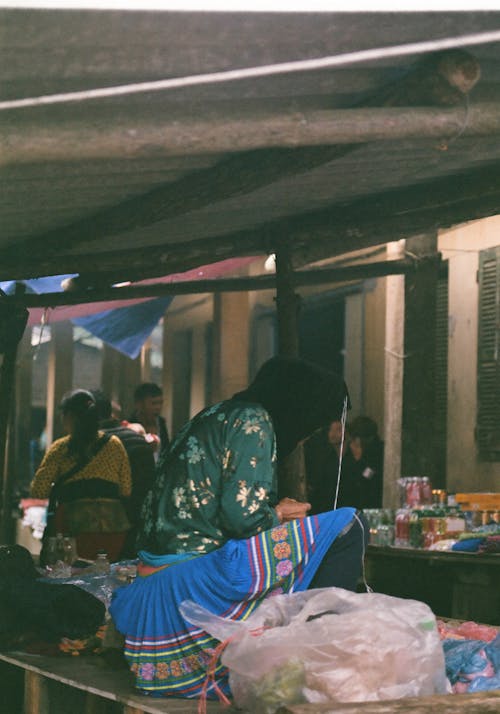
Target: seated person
[367, 450]
[360, 482]
[213, 531]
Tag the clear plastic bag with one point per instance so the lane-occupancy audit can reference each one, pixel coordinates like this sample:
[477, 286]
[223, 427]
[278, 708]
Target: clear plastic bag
[328, 645]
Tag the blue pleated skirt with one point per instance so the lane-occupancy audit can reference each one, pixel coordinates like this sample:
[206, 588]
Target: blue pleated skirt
[169, 656]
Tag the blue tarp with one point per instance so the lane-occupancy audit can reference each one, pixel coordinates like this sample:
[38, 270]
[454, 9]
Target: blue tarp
[124, 328]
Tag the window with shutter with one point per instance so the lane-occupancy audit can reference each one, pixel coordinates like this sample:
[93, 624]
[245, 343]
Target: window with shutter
[488, 390]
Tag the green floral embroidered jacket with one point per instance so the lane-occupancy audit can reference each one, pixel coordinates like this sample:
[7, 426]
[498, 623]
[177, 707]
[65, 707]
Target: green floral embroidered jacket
[218, 481]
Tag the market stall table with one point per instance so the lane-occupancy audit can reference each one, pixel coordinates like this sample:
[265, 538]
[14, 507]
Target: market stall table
[459, 585]
[80, 685]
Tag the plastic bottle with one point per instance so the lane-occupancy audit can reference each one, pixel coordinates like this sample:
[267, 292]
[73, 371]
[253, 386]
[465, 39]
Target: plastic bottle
[59, 547]
[415, 529]
[102, 565]
[413, 492]
[426, 491]
[403, 528]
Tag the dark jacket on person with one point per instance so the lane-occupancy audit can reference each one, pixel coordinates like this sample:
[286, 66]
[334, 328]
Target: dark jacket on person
[360, 481]
[142, 467]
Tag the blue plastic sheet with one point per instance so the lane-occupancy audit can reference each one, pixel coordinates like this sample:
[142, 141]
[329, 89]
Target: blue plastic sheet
[124, 328]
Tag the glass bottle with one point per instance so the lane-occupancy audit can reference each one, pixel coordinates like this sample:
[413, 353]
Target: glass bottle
[102, 565]
[69, 550]
[51, 557]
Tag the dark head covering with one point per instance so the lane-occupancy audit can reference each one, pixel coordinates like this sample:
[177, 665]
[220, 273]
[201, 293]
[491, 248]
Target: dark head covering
[299, 396]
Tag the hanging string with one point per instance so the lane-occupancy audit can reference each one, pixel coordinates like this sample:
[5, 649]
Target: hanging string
[363, 571]
[347, 58]
[341, 455]
[43, 322]
[210, 681]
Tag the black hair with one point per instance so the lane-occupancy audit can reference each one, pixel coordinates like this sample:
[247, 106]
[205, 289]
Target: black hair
[102, 404]
[300, 397]
[147, 389]
[81, 405]
[364, 427]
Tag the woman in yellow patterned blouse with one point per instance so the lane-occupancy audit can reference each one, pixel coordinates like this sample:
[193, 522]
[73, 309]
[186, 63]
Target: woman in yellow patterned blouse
[90, 499]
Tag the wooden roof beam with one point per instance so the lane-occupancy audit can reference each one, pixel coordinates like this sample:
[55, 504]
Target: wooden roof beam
[215, 285]
[65, 141]
[371, 220]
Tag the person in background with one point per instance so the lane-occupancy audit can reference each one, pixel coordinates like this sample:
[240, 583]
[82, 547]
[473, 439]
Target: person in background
[141, 459]
[148, 403]
[361, 473]
[93, 472]
[213, 530]
[367, 450]
[322, 454]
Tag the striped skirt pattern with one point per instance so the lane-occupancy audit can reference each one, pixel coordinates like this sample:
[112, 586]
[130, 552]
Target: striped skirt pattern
[167, 655]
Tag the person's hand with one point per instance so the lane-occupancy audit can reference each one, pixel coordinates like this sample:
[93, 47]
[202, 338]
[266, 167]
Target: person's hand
[288, 509]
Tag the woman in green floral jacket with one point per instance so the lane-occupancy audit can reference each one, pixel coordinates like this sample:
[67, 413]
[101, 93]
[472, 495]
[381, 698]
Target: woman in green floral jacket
[213, 530]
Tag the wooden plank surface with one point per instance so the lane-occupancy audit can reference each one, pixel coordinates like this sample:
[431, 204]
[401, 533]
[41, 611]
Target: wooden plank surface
[95, 676]
[484, 702]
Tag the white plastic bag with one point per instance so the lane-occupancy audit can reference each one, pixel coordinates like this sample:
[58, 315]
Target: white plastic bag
[328, 645]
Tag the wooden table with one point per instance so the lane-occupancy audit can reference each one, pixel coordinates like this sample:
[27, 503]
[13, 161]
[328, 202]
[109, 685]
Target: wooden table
[34, 684]
[464, 586]
[480, 703]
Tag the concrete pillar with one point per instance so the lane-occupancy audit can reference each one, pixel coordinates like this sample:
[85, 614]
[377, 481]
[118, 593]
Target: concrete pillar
[109, 378]
[198, 369]
[129, 376]
[231, 344]
[393, 378]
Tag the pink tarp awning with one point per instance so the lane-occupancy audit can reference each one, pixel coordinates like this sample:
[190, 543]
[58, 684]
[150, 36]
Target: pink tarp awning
[204, 272]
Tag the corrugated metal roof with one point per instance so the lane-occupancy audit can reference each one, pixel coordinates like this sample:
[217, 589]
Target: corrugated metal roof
[220, 202]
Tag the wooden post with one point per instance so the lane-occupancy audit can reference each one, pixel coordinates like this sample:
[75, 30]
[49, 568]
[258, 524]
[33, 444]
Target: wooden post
[145, 358]
[419, 389]
[60, 374]
[94, 704]
[7, 377]
[287, 304]
[22, 462]
[36, 695]
[292, 475]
